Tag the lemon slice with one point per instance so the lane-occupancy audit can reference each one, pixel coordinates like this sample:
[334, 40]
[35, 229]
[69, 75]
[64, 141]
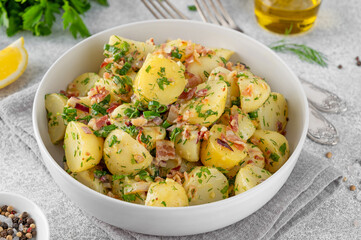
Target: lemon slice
[13, 62]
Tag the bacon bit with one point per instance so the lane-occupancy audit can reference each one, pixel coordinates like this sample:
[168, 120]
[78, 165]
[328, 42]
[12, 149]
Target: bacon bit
[139, 122]
[158, 179]
[279, 126]
[221, 64]
[112, 107]
[233, 122]
[107, 75]
[103, 64]
[233, 138]
[255, 141]
[203, 134]
[202, 92]
[188, 95]
[193, 80]
[249, 162]
[157, 121]
[81, 107]
[164, 151]
[192, 191]
[87, 153]
[86, 130]
[173, 114]
[248, 90]
[139, 158]
[150, 41]
[98, 123]
[224, 144]
[97, 94]
[176, 175]
[229, 66]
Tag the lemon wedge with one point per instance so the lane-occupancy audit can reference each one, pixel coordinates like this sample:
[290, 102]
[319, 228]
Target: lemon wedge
[13, 62]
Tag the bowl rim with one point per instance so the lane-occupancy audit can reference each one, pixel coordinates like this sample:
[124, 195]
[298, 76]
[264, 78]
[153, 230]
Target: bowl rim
[35, 208]
[103, 197]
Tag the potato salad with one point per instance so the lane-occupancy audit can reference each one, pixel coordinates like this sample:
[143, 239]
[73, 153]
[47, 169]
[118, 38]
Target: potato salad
[169, 125]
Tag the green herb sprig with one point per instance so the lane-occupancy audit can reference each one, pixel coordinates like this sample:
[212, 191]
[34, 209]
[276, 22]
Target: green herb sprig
[303, 52]
[38, 16]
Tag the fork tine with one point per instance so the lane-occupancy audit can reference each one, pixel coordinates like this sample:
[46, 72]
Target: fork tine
[199, 9]
[150, 9]
[227, 16]
[180, 14]
[166, 9]
[158, 9]
[210, 15]
[218, 14]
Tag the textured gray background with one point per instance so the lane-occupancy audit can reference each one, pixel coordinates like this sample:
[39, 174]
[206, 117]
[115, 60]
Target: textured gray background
[337, 34]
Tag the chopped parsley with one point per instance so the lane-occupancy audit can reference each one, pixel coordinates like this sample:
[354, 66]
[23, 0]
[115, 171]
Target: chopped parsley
[175, 54]
[283, 149]
[175, 133]
[162, 80]
[104, 131]
[274, 157]
[113, 140]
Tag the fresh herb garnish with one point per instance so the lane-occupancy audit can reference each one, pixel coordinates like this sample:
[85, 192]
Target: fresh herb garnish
[175, 133]
[38, 17]
[303, 52]
[162, 80]
[104, 131]
[192, 8]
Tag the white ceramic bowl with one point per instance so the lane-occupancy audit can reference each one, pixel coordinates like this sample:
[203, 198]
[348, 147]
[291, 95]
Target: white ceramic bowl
[23, 204]
[87, 56]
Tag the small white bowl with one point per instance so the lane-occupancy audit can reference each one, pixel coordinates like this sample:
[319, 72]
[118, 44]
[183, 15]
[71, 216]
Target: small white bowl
[23, 204]
[88, 55]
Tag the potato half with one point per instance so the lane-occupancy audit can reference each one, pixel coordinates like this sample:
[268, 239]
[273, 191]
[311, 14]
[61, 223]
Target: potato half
[160, 79]
[205, 185]
[83, 150]
[167, 193]
[54, 104]
[205, 110]
[274, 147]
[248, 177]
[254, 91]
[219, 153]
[273, 114]
[125, 155]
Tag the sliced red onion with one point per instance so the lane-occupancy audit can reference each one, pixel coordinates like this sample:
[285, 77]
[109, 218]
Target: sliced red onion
[81, 107]
[224, 144]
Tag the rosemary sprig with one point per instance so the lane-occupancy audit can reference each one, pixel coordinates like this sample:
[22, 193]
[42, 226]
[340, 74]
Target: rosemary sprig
[303, 52]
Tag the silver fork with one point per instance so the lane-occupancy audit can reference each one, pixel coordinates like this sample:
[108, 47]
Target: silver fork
[320, 129]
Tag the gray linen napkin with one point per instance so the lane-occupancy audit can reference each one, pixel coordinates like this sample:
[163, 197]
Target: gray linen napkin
[309, 185]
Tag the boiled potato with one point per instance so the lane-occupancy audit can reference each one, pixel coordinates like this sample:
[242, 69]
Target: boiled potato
[249, 177]
[88, 179]
[205, 185]
[273, 114]
[125, 155]
[206, 110]
[203, 65]
[160, 79]
[137, 50]
[118, 86]
[152, 134]
[188, 148]
[54, 104]
[218, 153]
[245, 127]
[167, 193]
[84, 83]
[254, 91]
[83, 150]
[274, 147]
[254, 157]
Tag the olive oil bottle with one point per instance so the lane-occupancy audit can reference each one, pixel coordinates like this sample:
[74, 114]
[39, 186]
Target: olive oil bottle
[286, 16]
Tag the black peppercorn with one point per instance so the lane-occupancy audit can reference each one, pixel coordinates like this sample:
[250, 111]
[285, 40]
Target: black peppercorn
[30, 221]
[16, 226]
[15, 219]
[3, 234]
[33, 232]
[4, 225]
[10, 231]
